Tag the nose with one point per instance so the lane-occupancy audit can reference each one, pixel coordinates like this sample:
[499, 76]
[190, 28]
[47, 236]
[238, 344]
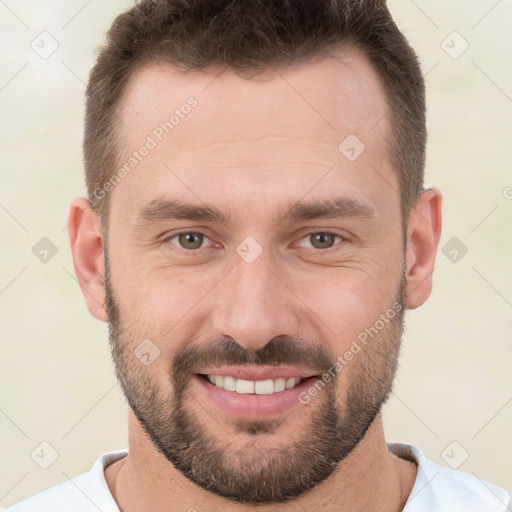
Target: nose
[254, 303]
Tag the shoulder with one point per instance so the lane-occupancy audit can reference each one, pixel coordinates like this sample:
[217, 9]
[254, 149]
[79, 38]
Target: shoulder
[440, 489]
[83, 493]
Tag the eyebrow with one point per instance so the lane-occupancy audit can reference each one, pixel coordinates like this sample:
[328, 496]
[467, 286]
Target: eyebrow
[161, 209]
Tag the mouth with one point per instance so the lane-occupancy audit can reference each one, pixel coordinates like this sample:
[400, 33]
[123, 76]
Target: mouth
[253, 399]
[253, 387]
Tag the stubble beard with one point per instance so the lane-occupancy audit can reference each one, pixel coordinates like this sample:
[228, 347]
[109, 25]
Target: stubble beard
[266, 468]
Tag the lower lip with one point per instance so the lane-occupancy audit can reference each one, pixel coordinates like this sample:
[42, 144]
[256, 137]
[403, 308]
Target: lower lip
[254, 407]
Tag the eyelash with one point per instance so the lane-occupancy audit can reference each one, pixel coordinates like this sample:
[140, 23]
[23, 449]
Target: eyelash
[192, 251]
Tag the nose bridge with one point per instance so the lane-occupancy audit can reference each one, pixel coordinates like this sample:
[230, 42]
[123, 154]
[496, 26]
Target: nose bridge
[253, 305]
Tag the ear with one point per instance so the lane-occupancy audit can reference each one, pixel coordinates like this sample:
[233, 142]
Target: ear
[86, 240]
[424, 232]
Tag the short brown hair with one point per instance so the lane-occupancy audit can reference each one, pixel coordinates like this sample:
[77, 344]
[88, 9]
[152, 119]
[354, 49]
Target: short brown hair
[249, 35]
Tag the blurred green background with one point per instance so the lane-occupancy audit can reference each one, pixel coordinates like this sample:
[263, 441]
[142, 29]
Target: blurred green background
[56, 381]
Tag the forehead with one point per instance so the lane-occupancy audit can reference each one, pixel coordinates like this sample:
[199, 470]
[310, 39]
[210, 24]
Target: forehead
[277, 132]
[333, 93]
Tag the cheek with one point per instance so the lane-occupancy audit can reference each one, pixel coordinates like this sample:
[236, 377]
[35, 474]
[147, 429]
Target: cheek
[164, 305]
[345, 302]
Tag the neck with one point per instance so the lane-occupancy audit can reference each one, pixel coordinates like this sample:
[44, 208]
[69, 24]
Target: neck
[370, 478]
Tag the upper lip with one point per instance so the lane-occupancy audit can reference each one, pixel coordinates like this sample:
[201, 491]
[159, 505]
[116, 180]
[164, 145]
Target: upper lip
[258, 373]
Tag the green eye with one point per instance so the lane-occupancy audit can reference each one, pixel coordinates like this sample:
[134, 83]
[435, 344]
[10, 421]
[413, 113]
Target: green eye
[193, 240]
[189, 240]
[322, 240]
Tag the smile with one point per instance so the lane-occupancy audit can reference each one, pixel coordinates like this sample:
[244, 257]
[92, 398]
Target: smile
[252, 387]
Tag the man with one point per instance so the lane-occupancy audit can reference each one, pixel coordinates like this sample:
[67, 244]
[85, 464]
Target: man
[256, 227]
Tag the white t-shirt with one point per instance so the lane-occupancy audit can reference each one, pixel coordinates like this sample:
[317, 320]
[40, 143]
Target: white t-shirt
[436, 489]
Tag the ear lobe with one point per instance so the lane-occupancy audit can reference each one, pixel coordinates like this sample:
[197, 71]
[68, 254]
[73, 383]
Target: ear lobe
[86, 240]
[424, 232]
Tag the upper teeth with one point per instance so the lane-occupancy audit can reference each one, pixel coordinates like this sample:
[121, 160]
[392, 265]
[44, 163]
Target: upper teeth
[258, 387]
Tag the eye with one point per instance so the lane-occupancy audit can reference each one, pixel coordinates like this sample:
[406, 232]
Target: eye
[189, 240]
[193, 240]
[322, 239]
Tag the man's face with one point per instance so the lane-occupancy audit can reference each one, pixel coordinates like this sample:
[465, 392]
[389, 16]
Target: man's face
[258, 289]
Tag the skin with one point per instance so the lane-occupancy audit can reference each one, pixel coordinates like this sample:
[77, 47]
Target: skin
[250, 147]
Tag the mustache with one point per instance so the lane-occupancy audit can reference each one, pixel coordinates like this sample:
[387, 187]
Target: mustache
[281, 350]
